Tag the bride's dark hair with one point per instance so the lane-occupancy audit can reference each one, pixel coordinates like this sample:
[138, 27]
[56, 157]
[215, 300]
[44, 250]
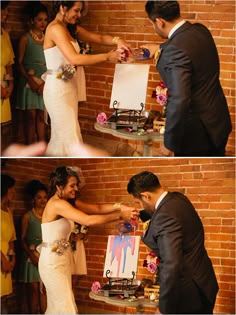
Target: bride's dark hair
[68, 5]
[57, 4]
[60, 178]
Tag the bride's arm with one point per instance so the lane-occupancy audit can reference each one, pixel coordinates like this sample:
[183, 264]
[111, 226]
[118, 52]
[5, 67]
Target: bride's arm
[102, 208]
[101, 39]
[58, 35]
[65, 209]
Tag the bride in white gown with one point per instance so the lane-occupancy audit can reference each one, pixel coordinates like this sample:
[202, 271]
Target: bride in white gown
[55, 270]
[61, 101]
[61, 96]
[57, 224]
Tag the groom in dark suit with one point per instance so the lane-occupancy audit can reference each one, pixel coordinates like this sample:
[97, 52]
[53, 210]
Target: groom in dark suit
[198, 121]
[175, 233]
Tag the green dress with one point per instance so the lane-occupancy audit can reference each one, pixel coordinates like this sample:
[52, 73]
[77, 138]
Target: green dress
[28, 271]
[34, 63]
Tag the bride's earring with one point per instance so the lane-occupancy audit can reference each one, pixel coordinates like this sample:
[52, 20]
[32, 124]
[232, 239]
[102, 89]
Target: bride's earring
[59, 193]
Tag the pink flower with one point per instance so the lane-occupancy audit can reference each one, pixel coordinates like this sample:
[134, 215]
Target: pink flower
[96, 286]
[161, 94]
[161, 99]
[152, 267]
[151, 262]
[101, 118]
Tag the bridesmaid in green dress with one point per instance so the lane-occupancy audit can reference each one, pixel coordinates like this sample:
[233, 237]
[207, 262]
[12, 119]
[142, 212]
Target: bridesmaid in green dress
[31, 237]
[32, 65]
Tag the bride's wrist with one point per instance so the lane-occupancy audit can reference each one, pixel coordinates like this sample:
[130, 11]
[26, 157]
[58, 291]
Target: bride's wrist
[117, 206]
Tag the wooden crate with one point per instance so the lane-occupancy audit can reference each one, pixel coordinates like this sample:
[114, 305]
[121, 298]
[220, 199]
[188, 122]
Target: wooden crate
[154, 289]
[158, 124]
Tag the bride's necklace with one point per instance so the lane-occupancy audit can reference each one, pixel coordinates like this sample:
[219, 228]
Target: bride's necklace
[35, 36]
[38, 216]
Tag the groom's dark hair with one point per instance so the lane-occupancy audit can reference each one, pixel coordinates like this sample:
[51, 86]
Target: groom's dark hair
[167, 10]
[144, 181]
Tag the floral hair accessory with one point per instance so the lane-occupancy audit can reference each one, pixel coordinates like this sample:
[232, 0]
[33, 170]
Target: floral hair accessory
[67, 72]
[101, 118]
[96, 286]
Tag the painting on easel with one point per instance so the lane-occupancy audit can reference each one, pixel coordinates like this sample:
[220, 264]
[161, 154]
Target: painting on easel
[121, 256]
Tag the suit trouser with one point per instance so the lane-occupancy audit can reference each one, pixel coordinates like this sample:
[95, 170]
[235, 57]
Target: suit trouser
[206, 307]
[209, 150]
[197, 141]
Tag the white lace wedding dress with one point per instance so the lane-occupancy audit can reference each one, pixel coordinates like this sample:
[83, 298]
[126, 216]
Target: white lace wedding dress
[55, 268]
[61, 101]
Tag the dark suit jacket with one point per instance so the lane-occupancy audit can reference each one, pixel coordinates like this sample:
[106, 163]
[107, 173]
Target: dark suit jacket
[197, 111]
[175, 233]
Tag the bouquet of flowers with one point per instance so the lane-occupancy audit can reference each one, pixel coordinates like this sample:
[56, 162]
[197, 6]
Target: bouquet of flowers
[85, 48]
[39, 81]
[79, 232]
[67, 72]
[161, 95]
[151, 262]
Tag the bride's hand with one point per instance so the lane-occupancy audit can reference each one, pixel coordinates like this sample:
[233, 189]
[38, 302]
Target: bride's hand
[116, 55]
[127, 213]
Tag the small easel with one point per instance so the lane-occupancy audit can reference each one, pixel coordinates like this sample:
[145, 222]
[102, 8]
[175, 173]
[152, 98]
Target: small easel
[129, 118]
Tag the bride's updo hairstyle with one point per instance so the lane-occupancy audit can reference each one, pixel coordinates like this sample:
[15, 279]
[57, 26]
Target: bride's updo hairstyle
[57, 4]
[60, 178]
[67, 4]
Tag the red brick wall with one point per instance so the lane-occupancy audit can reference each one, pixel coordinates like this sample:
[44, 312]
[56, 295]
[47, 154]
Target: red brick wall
[209, 184]
[128, 20]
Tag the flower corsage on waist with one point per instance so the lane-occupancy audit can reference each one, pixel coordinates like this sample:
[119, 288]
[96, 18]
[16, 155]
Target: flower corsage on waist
[59, 246]
[66, 72]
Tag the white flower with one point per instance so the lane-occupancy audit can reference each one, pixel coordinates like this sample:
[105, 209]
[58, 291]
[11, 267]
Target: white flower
[60, 246]
[67, 72]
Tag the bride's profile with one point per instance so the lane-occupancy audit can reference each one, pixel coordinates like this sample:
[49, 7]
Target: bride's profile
[65, 79]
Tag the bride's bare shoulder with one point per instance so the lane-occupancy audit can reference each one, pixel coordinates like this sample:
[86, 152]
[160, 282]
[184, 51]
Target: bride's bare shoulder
[54, 26]
[55, 33]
